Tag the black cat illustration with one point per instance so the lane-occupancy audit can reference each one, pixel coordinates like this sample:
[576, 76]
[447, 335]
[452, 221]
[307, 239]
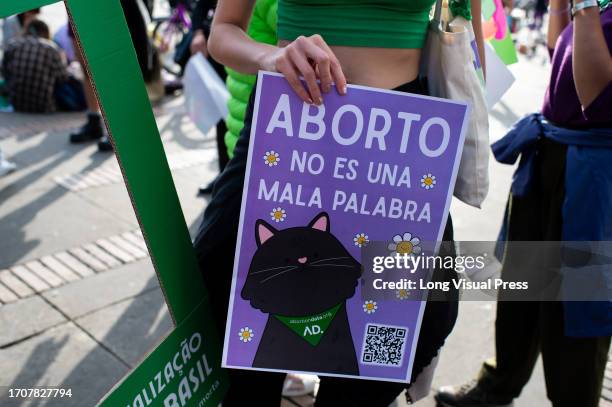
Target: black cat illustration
[302, 277]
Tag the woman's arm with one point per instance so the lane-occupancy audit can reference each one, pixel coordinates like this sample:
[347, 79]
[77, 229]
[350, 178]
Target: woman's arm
[200, 25]
[307, 57]
[229, 44]
[559, 18]
[476, 10]
[591, 61]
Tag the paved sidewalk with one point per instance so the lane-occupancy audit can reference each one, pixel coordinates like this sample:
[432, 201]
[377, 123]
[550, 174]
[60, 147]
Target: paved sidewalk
[81, 304]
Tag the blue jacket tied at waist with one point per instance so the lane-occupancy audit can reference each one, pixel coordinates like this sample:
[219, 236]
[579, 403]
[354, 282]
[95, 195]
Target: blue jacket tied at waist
[587, 207]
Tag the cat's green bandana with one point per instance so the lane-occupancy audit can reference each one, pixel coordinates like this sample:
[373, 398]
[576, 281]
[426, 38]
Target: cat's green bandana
[311, 327]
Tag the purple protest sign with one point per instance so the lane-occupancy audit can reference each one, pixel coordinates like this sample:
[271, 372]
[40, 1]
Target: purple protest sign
[321, 183]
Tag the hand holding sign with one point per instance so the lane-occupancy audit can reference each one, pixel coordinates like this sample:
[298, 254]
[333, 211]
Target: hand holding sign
[312, 59]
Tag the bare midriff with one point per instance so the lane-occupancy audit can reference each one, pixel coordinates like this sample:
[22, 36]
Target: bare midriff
[385, 68]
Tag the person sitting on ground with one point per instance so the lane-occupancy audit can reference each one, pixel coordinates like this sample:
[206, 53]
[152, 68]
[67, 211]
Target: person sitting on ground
[33, 67]
[13, 26]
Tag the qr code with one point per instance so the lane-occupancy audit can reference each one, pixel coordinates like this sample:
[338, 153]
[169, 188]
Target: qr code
[384, 345]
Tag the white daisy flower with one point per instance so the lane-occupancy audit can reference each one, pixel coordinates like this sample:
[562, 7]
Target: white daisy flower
[402, 294]
[428, 181]
[361, 239]
[246, 334]
[271, 158]
[370, 307]
[405, 244]
[278, 215]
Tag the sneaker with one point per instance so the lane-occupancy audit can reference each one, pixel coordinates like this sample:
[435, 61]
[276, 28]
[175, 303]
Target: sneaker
[105, 144]
[468, 395]
[92, 130]
[206, 189]
[6, 167]
[299, 385]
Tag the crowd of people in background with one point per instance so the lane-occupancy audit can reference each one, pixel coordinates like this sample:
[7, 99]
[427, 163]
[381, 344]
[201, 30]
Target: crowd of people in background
[42, 72]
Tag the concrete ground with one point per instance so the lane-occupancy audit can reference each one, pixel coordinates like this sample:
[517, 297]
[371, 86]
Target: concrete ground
[80, 302]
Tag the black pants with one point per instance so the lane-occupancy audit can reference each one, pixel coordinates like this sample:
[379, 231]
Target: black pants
[215, 246]
[145, 52]
[573, 367]
[221, 127]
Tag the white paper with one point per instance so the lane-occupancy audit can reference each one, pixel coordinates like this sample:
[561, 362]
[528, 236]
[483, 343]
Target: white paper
[205, 93]
[499, 77]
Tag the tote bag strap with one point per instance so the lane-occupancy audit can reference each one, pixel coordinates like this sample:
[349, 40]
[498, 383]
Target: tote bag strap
[438, 11]
[437, 17]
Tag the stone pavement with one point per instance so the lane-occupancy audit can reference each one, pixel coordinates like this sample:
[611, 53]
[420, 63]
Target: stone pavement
[81, 304]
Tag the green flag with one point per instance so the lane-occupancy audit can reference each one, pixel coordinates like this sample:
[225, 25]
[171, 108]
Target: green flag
[505, 49]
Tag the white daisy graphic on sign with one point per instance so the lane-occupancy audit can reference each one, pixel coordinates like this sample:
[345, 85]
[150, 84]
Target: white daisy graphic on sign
[246, 334]
[402, 294]
[428, 181]
[370, 307]
[271, 158]
[361, 239]
[278, 215]
[405, 244]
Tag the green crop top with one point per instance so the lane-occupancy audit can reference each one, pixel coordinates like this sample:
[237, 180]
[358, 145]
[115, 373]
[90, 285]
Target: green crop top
[357, 23]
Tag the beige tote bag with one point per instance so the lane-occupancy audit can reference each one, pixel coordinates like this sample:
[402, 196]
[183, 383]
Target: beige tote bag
[450, 64]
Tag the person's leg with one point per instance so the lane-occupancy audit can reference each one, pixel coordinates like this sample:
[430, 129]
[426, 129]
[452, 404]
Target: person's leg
[516, 342]
[573, 367]
[250, 388]
[140, 39]
[535, 217]
[517, 323]
[90, 95]
[334, 391]
[516, 351]
[145, 53]
[517, 326]
[94, 128]
[441, 308]
[69, 95]
[221, 130]
[221, 147]
[215, 245]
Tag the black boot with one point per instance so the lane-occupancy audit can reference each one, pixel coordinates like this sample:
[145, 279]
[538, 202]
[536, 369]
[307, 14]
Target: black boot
[468, 395]
[207, 189]
[92, 130]
[105, 144]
